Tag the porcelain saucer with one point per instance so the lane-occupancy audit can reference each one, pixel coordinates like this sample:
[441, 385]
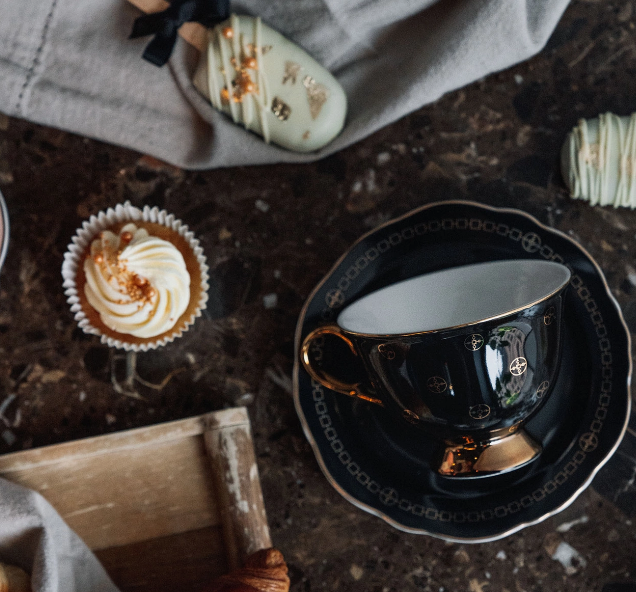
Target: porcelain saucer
[383, 467]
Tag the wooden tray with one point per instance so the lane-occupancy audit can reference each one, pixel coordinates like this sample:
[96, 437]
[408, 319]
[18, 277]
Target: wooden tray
[166, 507]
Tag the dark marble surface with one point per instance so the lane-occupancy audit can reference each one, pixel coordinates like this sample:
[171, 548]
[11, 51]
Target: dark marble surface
[270, 234]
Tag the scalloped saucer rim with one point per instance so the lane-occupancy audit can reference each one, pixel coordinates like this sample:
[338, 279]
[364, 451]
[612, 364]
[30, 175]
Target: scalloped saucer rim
[384, 512]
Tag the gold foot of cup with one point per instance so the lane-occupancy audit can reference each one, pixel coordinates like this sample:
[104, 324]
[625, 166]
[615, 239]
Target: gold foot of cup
[471, 459]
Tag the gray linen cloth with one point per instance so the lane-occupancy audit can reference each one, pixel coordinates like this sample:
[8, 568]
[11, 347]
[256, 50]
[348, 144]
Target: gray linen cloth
[69, 64]
[35, 538]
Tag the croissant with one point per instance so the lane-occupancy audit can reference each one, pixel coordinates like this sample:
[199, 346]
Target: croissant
[264, 571]
[13, 579]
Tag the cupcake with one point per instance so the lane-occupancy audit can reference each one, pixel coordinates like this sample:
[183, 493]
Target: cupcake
[137, 278]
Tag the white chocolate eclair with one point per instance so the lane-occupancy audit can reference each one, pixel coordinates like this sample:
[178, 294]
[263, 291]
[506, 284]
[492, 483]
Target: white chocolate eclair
[269, 85]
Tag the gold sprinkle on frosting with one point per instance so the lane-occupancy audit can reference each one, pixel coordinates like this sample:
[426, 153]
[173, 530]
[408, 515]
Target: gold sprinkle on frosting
[112, 265]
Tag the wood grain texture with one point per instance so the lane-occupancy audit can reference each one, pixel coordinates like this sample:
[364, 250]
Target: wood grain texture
[239, 491]
[156, 501]
[129, 495]
[151, 565]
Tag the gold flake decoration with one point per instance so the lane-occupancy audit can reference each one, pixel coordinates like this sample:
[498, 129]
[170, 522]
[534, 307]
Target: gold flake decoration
[242, 85]
[254, 49]
[292, 69]
[306, 135]
[317, 95]
[281, 109]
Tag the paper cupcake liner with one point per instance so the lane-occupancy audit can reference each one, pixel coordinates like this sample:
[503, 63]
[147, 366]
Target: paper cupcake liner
[76, 252]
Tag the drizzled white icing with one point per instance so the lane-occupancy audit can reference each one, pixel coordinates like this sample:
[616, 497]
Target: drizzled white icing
[598, 160]
[231, 52]
[269, 85]
[139, 284]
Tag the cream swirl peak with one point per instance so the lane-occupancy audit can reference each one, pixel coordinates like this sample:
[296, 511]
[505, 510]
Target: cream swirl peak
[138, 283]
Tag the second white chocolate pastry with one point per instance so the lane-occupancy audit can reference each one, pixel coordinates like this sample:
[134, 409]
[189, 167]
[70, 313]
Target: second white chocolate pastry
[269, 85]
[598, 160]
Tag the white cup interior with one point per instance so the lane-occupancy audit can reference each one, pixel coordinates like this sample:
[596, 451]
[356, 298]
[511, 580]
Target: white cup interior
[453, 297]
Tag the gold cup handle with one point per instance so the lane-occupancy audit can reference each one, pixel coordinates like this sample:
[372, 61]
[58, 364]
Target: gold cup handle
[331, 382]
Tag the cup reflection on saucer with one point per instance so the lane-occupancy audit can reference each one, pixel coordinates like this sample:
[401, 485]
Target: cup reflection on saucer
[467, 354]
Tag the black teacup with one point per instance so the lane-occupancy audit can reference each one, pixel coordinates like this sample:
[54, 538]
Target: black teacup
[467, 354]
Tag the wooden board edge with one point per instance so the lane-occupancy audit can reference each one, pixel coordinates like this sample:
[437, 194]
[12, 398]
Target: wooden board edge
[124, 440]
[238, 488]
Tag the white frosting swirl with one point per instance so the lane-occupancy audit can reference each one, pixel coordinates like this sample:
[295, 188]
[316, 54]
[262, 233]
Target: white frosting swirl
[137, 283]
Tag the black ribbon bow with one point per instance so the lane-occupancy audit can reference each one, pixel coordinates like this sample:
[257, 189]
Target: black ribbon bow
[165, 25]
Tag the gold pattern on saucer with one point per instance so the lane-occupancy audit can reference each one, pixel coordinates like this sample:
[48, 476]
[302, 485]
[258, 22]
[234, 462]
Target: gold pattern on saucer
[436, 384]
[588, 442]
[531, 242]
[518, 366]
[481, 411]
[542, 388]
[549, 315]
[317, 95]
[292, 70]
[386, 351]
[334, 298]
[281, 109]
[474, 342]
[410, 416]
